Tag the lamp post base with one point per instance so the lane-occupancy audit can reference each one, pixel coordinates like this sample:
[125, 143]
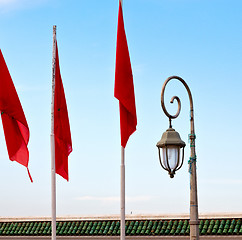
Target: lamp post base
[194, 230]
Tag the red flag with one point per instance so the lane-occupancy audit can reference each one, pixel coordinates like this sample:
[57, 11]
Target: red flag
[124, 87]
[15, 126]
[63, 143]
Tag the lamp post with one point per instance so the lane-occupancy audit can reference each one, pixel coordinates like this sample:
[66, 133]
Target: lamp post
[171, 145]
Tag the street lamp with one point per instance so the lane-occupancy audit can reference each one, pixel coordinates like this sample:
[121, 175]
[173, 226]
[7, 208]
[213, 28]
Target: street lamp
[171, 145]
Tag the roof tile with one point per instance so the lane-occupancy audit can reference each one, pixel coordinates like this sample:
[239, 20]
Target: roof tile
[112, 228]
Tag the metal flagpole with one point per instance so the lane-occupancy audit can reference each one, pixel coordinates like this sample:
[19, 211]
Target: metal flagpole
[122, 198]
[122, 192]
[52, 141]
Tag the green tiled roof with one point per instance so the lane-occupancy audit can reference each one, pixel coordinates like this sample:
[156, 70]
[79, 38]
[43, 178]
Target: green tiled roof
[112, 228]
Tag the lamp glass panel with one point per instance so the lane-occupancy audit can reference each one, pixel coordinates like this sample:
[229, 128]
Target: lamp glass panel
[172, 152]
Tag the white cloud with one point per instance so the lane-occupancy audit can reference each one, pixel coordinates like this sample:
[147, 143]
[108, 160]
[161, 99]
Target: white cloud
[115, 199]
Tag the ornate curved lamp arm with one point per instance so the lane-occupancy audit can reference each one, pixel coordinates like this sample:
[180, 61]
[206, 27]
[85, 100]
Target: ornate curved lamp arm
[178, 101]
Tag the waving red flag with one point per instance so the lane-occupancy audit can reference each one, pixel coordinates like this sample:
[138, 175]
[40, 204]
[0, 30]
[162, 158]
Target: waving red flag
[15, 126]
[124, 87]
[63, 143]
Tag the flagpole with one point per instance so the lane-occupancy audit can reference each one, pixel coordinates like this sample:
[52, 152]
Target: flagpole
[122, 198]
[52, 140]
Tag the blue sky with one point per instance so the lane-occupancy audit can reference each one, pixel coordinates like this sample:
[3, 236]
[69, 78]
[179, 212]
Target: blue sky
[198, 40]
